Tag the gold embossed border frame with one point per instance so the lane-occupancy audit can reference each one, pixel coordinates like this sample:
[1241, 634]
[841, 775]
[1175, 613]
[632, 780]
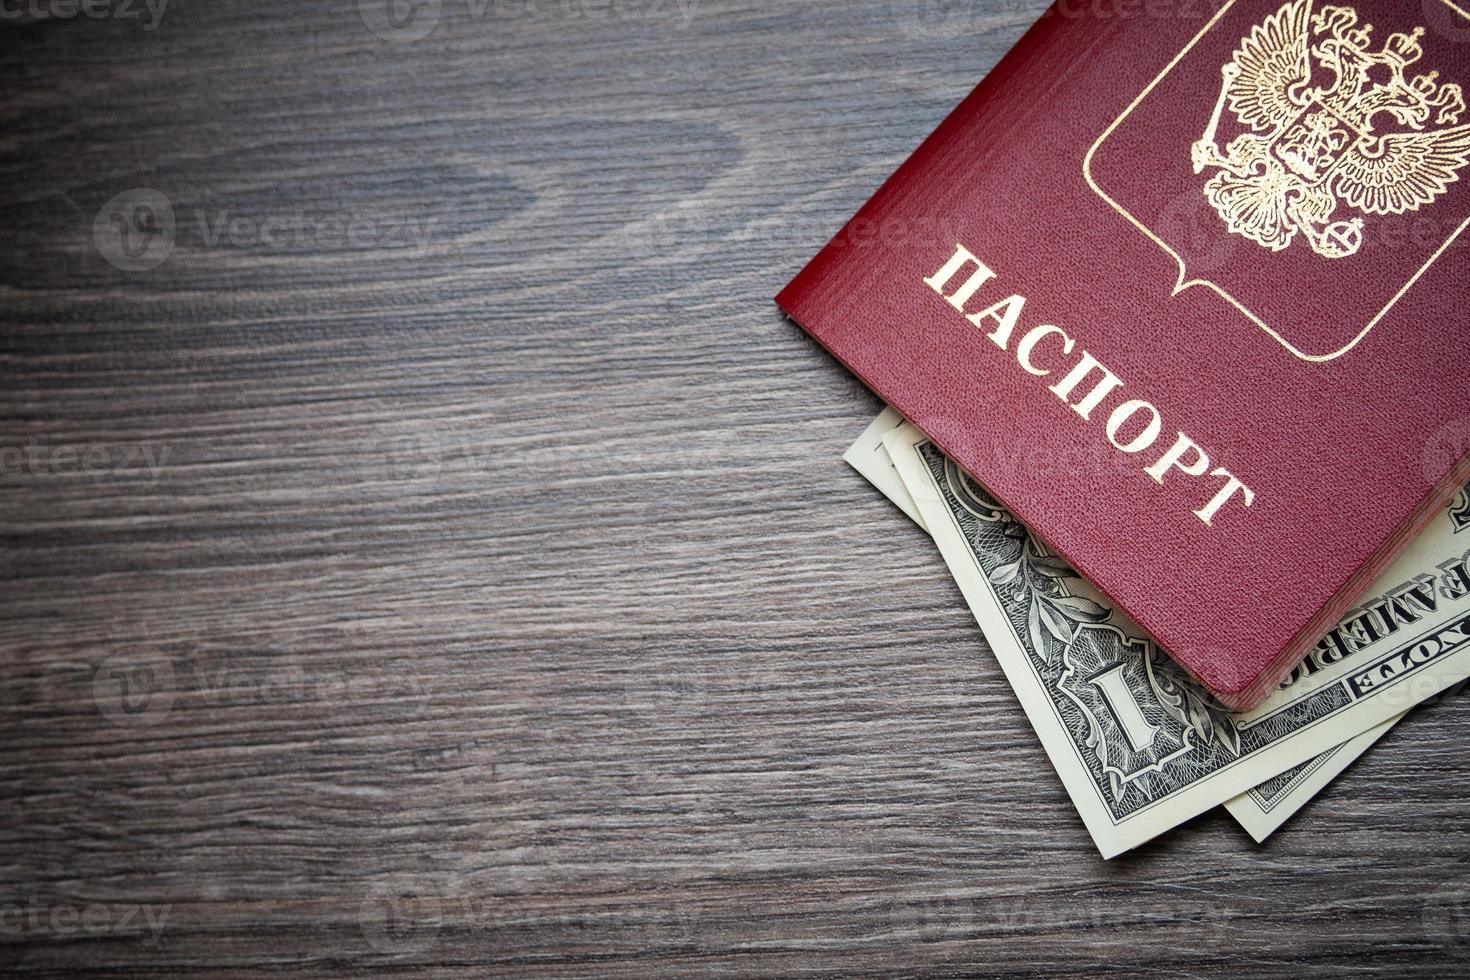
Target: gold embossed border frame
[1183, 281]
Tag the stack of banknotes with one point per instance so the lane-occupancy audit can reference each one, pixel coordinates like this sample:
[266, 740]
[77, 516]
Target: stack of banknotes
[1139, 746]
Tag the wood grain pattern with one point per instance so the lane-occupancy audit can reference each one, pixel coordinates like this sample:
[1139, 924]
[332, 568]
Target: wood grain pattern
[496, 602]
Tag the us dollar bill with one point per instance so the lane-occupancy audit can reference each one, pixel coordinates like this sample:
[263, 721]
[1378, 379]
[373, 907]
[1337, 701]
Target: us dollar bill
[1261, 810]
[1266, 807]
[870, 458]
[1141, 747]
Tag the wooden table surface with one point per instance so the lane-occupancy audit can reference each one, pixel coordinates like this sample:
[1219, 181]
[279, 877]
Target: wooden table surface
[427, 549]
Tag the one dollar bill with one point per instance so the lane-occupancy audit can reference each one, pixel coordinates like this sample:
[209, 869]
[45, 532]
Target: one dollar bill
[1139, 746]
[1263, 809]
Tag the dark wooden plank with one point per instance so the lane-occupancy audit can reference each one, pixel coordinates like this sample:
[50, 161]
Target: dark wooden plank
[507, 606]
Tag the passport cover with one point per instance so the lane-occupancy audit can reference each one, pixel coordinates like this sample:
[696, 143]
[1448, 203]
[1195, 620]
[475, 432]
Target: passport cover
[1184, 289]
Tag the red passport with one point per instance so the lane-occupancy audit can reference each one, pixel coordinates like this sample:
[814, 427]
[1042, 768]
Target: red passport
[1186, 287]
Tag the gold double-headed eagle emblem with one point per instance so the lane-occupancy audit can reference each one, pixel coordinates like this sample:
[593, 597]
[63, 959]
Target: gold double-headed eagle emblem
[1331, 122]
